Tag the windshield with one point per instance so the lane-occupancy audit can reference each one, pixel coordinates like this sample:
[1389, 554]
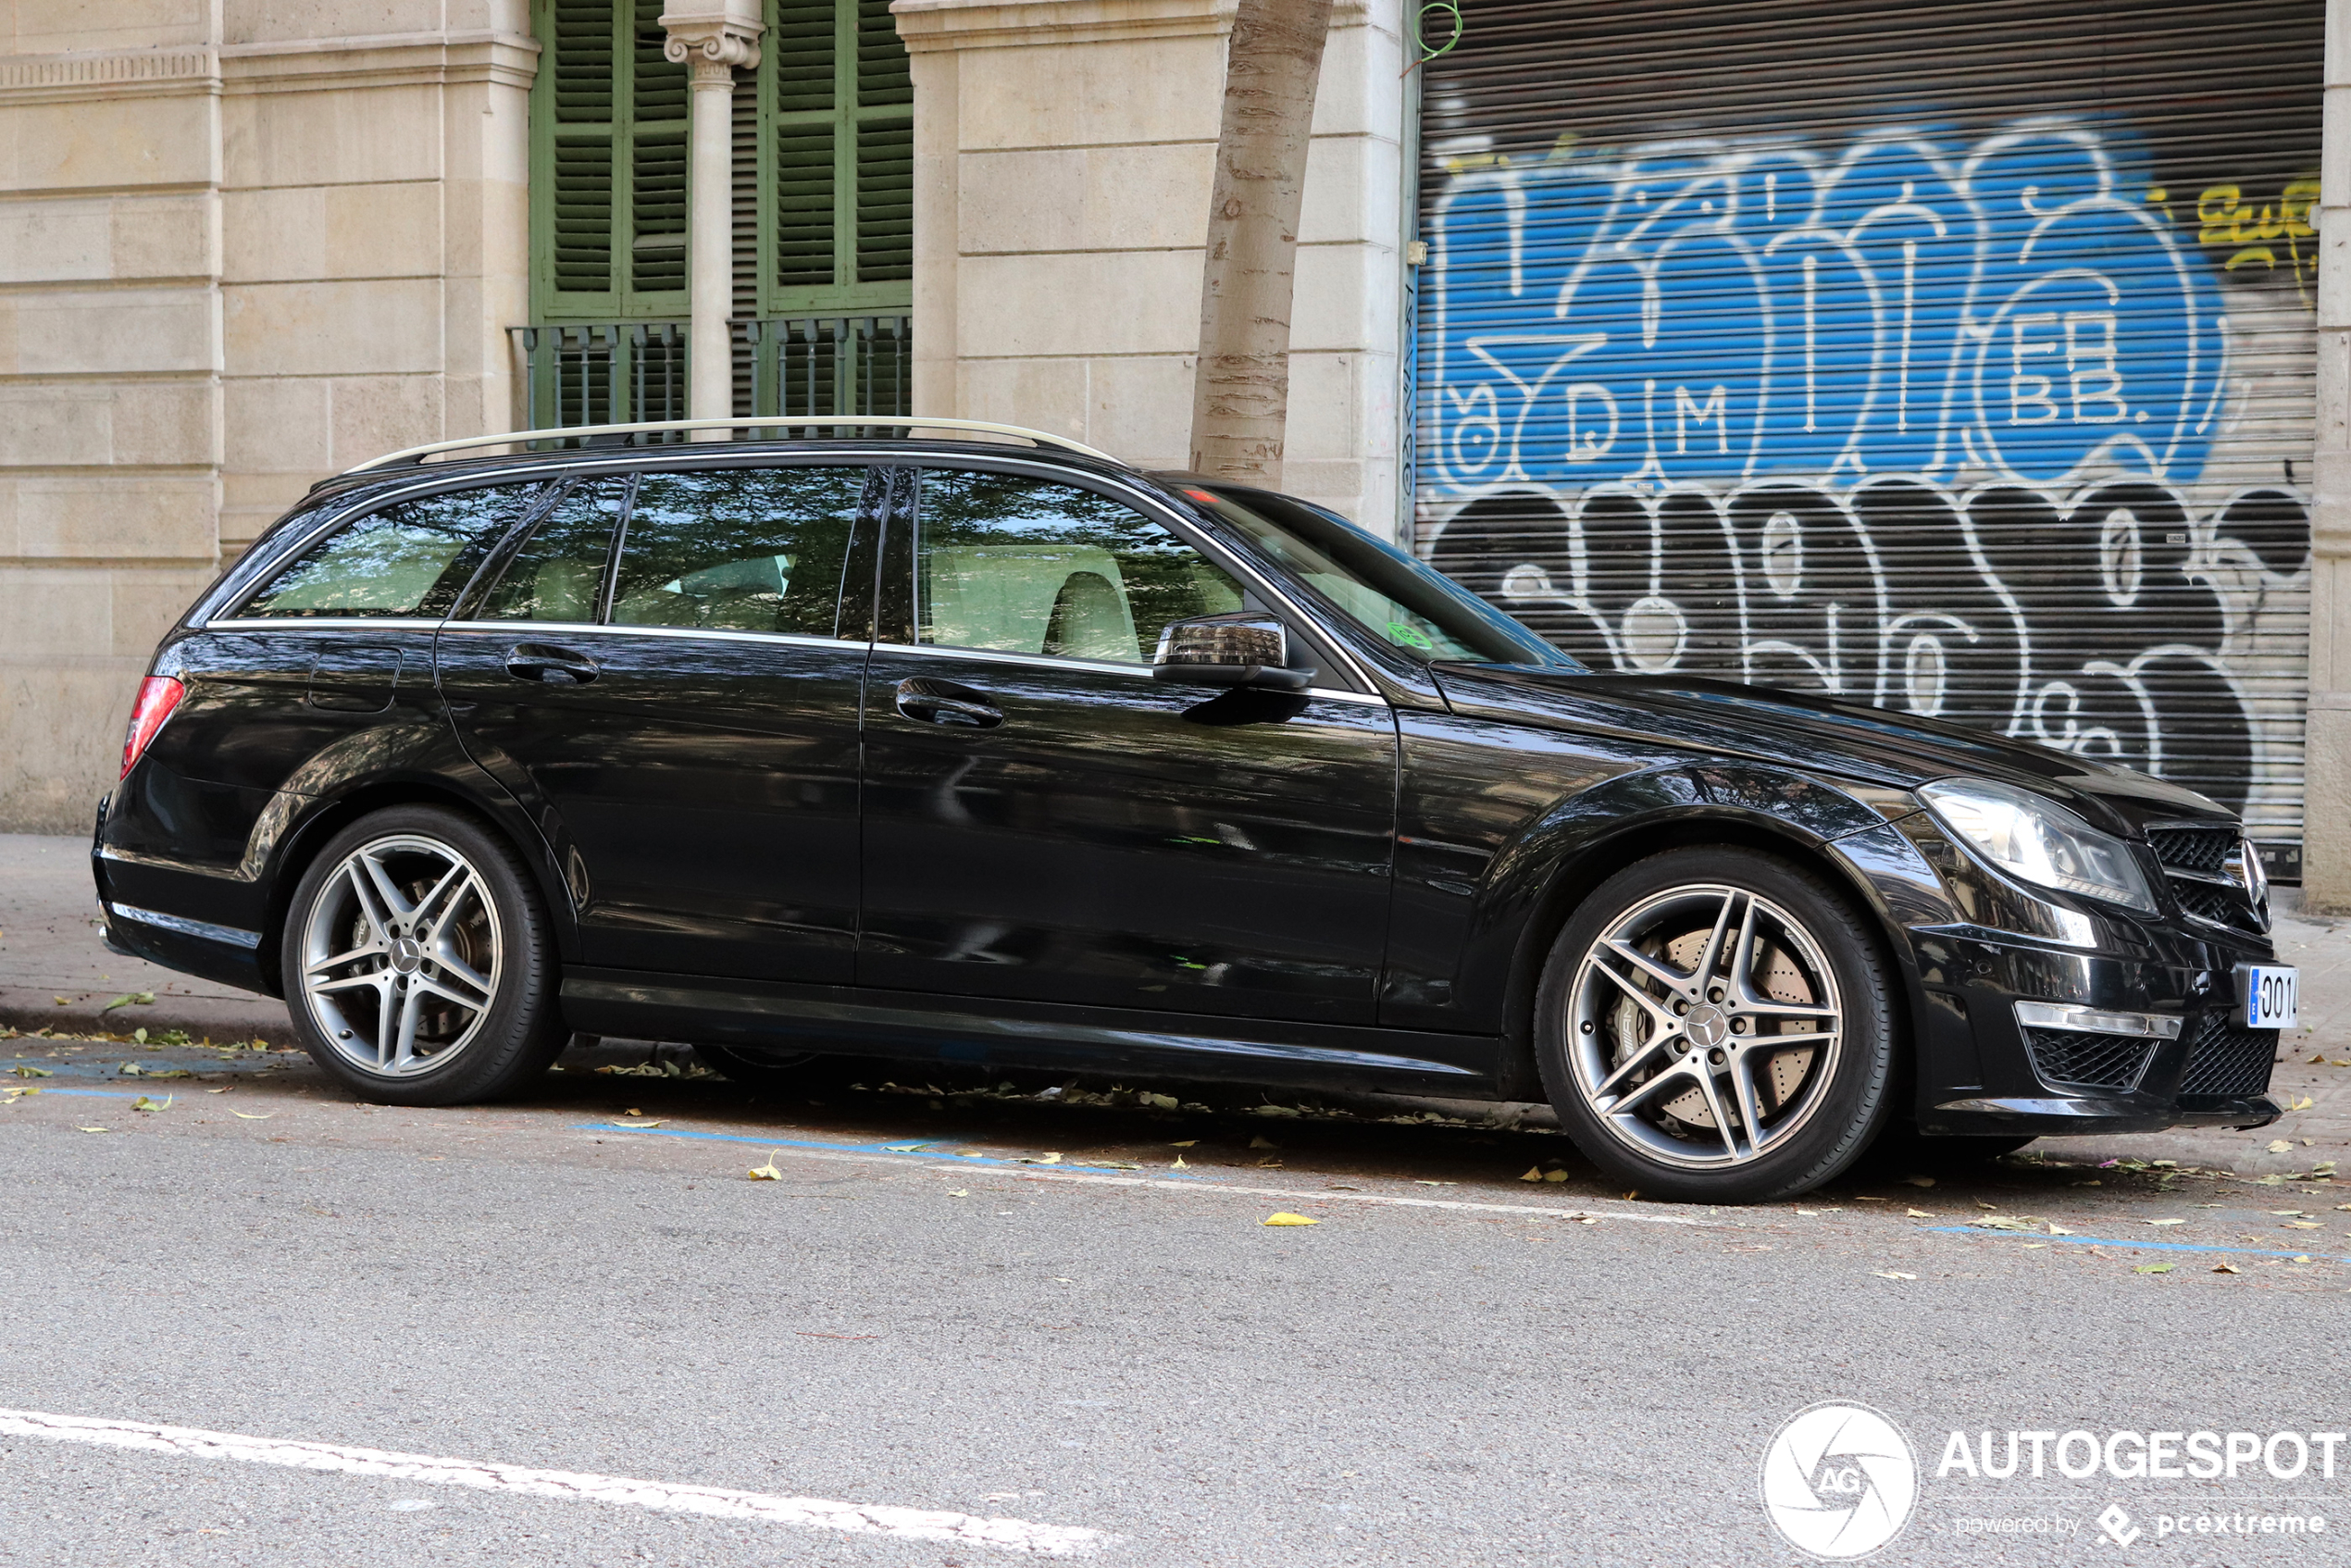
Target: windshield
[1410, 606]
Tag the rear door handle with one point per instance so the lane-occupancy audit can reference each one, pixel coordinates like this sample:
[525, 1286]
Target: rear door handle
[944, 703]
[541, 661]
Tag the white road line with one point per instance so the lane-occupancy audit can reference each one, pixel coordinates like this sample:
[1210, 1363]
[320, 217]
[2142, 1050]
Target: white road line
[1014, 1535]
[1376, 1199]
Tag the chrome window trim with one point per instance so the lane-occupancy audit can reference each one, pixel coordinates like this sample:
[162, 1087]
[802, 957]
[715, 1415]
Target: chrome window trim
[325, 623]
[2095, 1021]
[1102, 667]
[229, 936]
[519, 629]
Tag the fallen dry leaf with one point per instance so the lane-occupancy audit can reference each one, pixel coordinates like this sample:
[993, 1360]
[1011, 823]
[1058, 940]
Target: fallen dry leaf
[654, 1123]
[128, 999]
[98, 1129]
[959, 1192]
[1534, 1173]
[2301, 1104]
[766, 1172]
[2226, 1268]
[1179, 1165]
[1188, 1143]
[1891, 1274]
[143, 1104]
[1287, 1218]
[2280, 1146]
[2056, 1229]
[28, 1071]
[253, 1116]
[2167, 1222]
[1920, 1215]
[2301, 1224]
[2153, 1268]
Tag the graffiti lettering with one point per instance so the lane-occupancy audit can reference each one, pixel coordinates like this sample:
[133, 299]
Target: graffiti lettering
[1916, 424]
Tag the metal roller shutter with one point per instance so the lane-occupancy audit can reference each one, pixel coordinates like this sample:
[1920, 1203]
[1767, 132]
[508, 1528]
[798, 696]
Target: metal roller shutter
[1956, 358]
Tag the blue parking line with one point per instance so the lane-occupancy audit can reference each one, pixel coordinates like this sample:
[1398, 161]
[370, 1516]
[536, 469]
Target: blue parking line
[927, 1152]
[1970, 1230]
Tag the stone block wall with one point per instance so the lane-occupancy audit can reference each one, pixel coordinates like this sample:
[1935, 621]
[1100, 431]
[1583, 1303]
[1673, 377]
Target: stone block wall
[1063, 155]
[244, 243]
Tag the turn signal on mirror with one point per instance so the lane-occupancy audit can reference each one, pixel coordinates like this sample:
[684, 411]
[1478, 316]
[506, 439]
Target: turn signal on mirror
[158, 695]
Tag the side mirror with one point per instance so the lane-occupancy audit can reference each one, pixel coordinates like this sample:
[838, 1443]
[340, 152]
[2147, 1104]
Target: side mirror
[1242, 649]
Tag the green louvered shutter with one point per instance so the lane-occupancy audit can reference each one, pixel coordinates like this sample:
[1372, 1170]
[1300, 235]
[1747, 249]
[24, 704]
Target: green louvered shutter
[573, 181]
[656, 137]
[885, 150]
[824, 148]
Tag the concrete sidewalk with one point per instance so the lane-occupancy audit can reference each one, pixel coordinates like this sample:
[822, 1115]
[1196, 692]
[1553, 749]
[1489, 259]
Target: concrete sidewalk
[56, 974]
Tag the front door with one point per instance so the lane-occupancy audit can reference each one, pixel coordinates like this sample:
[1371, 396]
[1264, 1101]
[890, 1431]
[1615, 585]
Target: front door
[1045, 822]
[663, 676]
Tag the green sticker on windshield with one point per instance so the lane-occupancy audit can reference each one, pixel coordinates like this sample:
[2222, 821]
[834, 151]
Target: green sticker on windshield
[1410, 636]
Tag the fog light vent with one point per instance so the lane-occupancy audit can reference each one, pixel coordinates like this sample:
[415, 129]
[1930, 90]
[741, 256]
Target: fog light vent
[2087, 1061]
[2228, 1060]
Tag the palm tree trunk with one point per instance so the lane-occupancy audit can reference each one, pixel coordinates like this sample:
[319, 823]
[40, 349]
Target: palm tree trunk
[1241, 387]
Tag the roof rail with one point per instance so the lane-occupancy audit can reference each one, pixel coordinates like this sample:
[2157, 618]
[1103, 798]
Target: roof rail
[1042, 438]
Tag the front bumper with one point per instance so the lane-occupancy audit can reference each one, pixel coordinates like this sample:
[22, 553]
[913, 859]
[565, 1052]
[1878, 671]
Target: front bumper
[1980, 1074]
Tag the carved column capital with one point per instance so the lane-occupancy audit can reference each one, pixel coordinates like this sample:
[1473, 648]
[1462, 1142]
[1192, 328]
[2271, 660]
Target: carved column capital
[713, 34]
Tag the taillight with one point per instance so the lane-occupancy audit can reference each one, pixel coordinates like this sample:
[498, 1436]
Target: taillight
[158, 694]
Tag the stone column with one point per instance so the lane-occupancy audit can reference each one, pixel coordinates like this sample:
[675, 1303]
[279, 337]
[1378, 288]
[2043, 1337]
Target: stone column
[2326, 813]
[716, 36]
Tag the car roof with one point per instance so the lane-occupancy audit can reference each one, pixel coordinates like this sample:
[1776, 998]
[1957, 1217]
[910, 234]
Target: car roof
[359, 481]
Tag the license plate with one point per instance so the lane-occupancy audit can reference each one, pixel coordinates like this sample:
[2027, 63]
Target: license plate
[2269, 994]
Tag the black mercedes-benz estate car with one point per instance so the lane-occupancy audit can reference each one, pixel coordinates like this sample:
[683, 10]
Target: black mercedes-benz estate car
[952, 749]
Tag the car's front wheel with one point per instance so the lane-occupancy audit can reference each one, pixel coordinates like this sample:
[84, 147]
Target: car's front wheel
[418, 966]
[1717, 1025]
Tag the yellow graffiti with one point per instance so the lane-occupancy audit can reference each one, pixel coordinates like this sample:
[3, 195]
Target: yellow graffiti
[2251, 231]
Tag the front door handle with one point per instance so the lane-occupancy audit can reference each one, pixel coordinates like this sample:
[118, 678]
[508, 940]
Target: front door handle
[944, 703]
[541, 661]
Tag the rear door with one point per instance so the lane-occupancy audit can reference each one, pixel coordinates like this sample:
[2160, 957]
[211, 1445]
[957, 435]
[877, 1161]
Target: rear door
[662, 674]
[1045, 822]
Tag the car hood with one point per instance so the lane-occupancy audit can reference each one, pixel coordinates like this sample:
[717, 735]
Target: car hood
[1814, 735]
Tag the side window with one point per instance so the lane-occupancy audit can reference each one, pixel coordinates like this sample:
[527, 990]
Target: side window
[558, 572]
[738, 549]
[1024, 565]
[410, 558]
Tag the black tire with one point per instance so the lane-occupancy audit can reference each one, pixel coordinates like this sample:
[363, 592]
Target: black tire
[782, 1072]
[456, 1054]
[1821, 1099]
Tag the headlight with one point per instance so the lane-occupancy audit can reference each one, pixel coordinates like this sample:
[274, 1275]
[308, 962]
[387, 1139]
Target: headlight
[2038, 841]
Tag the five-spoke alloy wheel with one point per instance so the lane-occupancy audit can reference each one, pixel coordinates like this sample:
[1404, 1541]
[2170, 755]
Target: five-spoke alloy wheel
[1716, 1025]
[415, 961]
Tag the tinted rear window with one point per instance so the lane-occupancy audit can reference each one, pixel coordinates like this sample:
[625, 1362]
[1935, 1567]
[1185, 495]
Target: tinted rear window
[409, 558]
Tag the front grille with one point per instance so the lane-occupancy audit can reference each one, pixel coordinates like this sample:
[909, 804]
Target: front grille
[2226, 1059]
[2084, 1061]
[2192, 857]
[2204, 849]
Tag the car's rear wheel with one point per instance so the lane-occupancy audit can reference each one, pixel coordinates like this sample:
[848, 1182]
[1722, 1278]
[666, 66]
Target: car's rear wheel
[417, 964]
[1717, 1025]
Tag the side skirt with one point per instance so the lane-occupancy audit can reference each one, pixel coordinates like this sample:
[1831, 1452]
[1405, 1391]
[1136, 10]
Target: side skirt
[977, 1032]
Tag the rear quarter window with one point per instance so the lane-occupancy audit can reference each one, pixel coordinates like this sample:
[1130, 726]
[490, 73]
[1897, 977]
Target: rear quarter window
[406, 559]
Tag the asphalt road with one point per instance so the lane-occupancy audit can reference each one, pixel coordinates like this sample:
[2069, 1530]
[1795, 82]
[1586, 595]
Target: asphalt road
[1452, 1366]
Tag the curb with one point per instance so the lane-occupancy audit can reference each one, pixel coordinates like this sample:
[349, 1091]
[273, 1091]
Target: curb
[222, 1019]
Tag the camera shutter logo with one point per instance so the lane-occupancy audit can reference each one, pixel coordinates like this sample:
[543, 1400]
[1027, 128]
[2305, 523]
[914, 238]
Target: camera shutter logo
[1839, 1481]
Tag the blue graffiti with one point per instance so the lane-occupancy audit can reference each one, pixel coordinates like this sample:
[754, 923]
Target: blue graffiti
[1714, 311]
